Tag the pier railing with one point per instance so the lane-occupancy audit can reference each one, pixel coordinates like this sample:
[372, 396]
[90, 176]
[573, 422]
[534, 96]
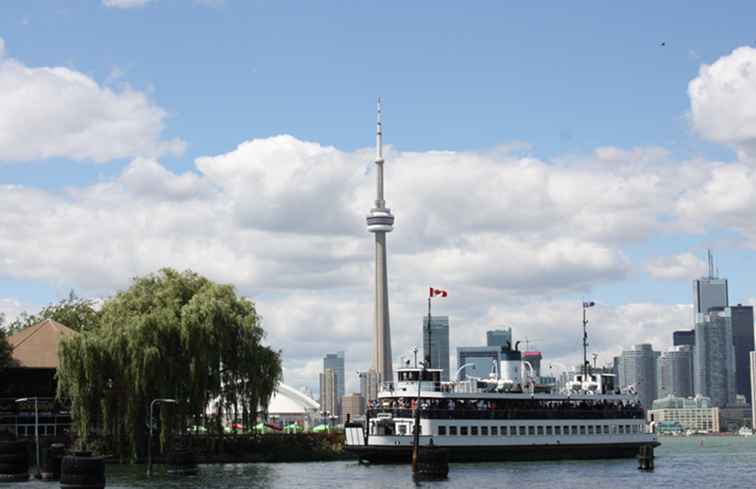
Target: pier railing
[514, 413]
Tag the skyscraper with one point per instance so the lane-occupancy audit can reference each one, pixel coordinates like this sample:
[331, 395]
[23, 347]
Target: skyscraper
[335, 361]
[437, 343]
[714, 358]
[329, 400]
[379, 222]
[483, 359]
[638, 370]
[685, 337]
[499, 337]
[710, 291]
[369, 385]
[752, 369]
[742, 337]
[675, 372]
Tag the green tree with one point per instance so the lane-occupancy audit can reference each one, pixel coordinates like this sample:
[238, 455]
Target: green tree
[75, 312]
[171, 334]
[6, 351]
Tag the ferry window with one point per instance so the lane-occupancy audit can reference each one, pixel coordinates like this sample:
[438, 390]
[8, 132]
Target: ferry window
[463, 430]
[522, 431]
[484, 430]
[590, 430]
[504, 431]
[453, 430]
[474, 430]
[402, 429]
[635, 428]
[557, 430]
[627, 428]
[573, 429]
[531, 430]
[621, 429]
[540, 430]
[606, 429]
[549, 430]
[582, 430]
[494, 430]
[441, 430]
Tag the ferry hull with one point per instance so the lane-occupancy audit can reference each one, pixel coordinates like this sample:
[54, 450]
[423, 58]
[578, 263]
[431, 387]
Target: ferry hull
[403, 455]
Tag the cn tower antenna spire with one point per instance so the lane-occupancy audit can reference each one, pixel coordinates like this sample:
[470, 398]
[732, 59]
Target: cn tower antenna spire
[379, 133]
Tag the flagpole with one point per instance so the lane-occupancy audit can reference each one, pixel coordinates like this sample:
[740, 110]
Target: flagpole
[428, 360]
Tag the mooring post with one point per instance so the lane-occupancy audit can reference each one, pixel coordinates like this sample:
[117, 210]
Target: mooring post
[646, 458]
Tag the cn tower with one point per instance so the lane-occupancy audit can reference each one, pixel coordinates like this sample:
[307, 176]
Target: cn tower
[379, 222]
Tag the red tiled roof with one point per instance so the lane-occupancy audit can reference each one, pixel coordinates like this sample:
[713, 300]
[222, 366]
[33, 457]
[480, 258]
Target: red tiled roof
[37, 345]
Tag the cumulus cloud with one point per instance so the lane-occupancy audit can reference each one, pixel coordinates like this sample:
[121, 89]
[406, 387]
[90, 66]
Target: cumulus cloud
[125, 4]
[685, 266]
[59, 112]
[723, 100]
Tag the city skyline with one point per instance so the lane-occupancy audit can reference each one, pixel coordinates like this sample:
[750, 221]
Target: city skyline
[245, 152]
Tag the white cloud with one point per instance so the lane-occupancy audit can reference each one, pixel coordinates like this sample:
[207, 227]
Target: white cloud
[11, 308]
[723, 99]
[59, 112]
[685, 266]
[125, 4]
[2, 47]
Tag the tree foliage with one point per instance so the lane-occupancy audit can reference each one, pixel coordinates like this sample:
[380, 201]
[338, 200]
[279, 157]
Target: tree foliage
[75, 312]
[174, 335]
[6, 351]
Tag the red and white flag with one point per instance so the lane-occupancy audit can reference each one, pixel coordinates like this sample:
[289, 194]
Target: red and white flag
[438, 292]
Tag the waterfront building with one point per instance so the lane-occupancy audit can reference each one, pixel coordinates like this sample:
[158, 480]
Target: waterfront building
[379, 222]
[499, 337]
[369, 385]
[436, 342]
[35, 351]
[329, 401]
[684, 338]
[752, 369]
[742, 337]
[714, 357]
[675, 372]
[694, 414]
[710, 291]
[335, 361]
[353, 406]
[638, 372]
[288, 405]
[484, 360]
[732, 418]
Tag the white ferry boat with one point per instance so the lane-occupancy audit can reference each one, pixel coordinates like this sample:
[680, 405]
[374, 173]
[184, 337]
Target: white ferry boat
[505, 417]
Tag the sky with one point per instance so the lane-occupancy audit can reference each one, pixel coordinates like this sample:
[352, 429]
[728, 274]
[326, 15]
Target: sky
[536, 157]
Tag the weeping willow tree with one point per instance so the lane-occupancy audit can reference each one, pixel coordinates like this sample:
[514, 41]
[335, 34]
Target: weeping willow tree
[170, 335]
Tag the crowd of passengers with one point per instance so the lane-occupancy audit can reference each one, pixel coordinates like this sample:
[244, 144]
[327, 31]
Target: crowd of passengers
[499, 405]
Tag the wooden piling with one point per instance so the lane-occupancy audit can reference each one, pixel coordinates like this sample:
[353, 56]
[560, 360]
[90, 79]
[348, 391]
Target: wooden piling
[646, 458]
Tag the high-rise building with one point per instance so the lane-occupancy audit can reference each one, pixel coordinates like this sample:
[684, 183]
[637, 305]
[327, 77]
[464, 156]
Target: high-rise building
[638, 372]
[675, 372]
[742, 337]
[379, 222]
[481, 361]
[436, 342]
[714, 358]
[752, 369]
[335, 361]
[499, 337]
[353, 406]
[369, 385]
[329, 401]
[685, 337]
[710, 291]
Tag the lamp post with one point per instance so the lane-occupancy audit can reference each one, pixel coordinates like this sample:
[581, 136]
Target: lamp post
[36, 424]
[586, 305]
[149, 442]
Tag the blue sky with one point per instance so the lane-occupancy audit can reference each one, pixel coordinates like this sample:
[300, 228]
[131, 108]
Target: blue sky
[563, 80]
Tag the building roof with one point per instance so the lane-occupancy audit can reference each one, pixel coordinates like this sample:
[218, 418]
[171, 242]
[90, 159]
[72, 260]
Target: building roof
[287, 400]
[37, 345]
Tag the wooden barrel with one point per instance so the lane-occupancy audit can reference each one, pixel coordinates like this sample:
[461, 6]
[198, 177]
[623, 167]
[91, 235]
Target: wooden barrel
[14, 461]
[82, 471]
[181, 462]
[53, 458]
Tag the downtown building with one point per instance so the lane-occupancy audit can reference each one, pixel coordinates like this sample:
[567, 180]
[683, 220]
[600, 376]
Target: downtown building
[478, 361]
[743, 341]
[637, 368]
[674, 370]
[332, 383]
[436, 343]
[714, 358]
[499, 337]
[369, 385]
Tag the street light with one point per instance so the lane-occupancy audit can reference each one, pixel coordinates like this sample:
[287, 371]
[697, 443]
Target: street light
[149, 442]
[586, 305]
[36, 424]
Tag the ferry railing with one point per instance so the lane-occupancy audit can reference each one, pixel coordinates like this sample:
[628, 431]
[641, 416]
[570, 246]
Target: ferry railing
[514, 413]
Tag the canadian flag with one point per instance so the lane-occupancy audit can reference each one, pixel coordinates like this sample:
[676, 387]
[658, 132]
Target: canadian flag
[435, 292]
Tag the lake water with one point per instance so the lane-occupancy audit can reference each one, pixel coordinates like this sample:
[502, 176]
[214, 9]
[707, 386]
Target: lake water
[706, 462]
